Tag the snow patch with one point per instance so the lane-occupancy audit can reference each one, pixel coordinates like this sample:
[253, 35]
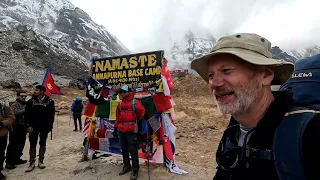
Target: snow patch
[8, 21]
[58, 35]
[303, 53]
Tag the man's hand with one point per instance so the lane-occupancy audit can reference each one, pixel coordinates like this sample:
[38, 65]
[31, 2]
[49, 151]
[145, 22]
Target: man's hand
[115, 133]
[30, 130]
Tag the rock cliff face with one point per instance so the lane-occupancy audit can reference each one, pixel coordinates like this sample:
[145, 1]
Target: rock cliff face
[277, 53]
[25, 54]
[35, 34]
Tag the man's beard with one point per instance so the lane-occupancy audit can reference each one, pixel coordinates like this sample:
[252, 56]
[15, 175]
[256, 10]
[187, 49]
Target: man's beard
[245, 95]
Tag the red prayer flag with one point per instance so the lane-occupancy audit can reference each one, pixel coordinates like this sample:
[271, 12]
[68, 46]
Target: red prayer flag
[89, 110]
[166, 73]
[48, 83]
[162, 102]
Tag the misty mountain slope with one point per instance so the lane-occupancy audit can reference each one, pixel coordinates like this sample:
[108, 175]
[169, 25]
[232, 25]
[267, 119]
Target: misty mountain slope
[194, 45]
[190, 47]
[86, 36]
[52, 33]
[59, 19]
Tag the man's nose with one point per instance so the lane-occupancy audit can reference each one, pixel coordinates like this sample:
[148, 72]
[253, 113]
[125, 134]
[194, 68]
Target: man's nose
[216, 81]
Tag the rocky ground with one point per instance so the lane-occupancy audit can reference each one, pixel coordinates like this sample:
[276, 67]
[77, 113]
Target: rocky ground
[199, 128]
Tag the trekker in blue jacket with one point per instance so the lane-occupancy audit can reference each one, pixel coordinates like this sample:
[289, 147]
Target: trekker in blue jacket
[76, 108]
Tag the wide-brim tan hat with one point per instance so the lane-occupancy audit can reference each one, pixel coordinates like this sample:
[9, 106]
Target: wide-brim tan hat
[249, 47]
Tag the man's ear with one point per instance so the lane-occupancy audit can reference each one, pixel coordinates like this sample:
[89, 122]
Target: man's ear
[268, 75]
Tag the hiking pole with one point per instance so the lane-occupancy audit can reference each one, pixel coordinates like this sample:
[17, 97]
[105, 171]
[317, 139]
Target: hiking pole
[69, 119]
[51, 134]
[57, 118]
[148, 157]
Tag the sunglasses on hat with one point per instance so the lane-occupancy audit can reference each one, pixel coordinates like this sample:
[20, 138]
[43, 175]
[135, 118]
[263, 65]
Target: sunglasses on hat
[121, 91]
[23, 95]
[235, 157]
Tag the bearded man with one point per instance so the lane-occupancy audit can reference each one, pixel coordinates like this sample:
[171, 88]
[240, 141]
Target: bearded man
[40, 112]
[240, 71]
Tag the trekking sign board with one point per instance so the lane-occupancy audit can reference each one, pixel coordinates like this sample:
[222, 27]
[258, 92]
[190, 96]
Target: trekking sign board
[135, 70]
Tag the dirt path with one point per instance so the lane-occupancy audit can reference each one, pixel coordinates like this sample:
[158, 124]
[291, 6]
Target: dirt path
[64, 152]
[199, 128]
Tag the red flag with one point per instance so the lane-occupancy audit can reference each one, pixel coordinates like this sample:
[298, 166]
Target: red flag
[48, 83]
[166, 73]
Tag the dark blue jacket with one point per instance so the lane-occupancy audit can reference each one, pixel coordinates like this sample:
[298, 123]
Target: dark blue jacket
[40, 115]
[262, 138]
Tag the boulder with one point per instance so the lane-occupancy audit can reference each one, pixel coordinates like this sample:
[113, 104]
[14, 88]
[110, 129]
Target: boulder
[62, 105]
[7, 96]
[10, 84]
[18, 46]
[78, 83]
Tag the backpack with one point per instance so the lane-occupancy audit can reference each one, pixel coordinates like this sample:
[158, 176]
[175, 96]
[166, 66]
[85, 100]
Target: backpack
[133, 103]
[136, 125]
[77, 107]
[287, 143]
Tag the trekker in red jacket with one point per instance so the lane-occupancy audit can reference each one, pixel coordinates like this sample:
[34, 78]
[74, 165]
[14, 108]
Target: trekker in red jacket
[126, 118]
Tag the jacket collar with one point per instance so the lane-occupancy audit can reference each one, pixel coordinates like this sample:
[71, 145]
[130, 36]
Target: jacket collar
[130, 97]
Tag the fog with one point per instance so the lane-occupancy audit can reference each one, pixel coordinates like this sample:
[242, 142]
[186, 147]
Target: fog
[144, 25]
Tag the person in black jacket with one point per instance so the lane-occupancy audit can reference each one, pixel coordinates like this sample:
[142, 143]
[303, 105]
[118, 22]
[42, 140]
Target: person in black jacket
[40, 112]
[17, 138]
[240, 72]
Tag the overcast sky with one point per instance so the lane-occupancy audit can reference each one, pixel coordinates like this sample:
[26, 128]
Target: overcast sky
[144, 25]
